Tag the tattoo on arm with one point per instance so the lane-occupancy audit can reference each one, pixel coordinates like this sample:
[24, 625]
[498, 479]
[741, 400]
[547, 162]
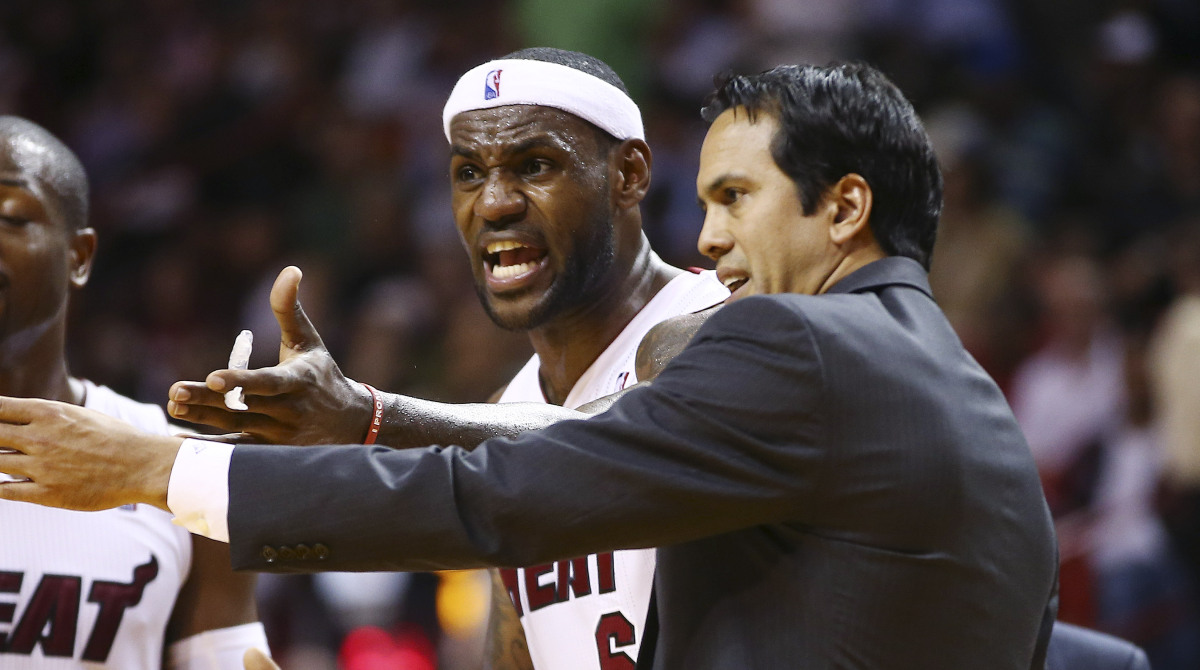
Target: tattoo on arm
[506, 647]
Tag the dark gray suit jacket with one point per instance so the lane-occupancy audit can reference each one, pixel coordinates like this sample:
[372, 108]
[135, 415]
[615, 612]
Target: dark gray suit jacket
[832, 481]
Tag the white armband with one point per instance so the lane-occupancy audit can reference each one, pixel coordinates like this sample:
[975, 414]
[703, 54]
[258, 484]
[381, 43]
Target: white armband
[219, 649]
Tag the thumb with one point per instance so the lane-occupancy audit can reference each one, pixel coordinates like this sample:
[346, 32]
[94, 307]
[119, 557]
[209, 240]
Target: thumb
[296, 331]
[254, 659]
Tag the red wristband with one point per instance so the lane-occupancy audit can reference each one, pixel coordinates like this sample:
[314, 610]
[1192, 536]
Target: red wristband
[376, 415]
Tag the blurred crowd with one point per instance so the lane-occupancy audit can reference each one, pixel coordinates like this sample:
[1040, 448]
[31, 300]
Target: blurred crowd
[225, 139]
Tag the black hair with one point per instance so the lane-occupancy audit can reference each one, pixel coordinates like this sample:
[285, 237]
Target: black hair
[842, 119]
[59, 170]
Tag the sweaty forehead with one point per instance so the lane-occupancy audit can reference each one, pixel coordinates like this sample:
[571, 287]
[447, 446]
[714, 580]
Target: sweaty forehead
[511, 126]
[31, 166]
[22, 157]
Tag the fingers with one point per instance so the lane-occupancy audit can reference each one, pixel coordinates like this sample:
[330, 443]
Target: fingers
[20, 491]
[272, 381]
[19, 411]
[12, 463]
[297, 332]
[255, 659]
[257, 425]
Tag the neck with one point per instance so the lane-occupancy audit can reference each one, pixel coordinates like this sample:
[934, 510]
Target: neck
[857, 258]
[569, 344]
[38, 369]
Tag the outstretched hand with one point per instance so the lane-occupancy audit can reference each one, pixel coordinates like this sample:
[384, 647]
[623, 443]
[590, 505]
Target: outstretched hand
[63, 455]
[305, 399]
[254, 659]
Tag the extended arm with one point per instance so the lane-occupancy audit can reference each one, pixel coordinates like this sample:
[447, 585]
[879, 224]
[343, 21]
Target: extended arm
[718, 442]
[306, 399]
[714, 444]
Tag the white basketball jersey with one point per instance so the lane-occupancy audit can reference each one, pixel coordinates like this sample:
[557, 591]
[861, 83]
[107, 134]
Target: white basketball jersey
[588, 613]
[90, 589]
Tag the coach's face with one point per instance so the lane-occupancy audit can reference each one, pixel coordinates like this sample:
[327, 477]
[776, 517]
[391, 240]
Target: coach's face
[531, 198]
[754, 225]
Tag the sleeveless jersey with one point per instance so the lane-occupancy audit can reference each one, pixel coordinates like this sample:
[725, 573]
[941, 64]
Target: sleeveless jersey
[588, 613]
[90, 589]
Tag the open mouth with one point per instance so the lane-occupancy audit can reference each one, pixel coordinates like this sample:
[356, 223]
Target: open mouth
[734, 283]
[507, 259]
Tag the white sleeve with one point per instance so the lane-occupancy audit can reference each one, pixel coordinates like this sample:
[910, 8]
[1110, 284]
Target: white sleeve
[198, 491]
[220, 649]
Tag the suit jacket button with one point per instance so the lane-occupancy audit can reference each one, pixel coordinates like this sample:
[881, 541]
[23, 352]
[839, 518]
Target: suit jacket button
[269, 554]
[320, 551]
[286, 553]
[303, 552]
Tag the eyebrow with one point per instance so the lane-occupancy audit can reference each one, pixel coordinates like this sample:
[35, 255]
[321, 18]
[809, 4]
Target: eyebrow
[516, 150]
[720, 181]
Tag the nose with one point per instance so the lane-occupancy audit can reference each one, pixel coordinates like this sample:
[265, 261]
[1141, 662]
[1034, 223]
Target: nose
[714, 240]
[500, 201]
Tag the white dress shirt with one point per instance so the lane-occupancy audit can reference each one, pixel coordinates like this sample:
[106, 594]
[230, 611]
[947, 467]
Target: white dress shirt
[198, 491]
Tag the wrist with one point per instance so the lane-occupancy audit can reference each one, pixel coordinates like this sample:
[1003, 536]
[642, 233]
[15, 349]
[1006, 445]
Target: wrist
[158, 477]
[376, 418]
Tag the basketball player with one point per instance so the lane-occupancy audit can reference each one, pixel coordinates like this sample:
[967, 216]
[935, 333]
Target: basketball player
[101, 589]
[548, 166]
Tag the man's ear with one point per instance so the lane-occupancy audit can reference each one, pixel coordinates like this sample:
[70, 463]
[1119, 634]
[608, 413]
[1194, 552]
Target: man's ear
[852, 198]
[633, 165]
[83, 251]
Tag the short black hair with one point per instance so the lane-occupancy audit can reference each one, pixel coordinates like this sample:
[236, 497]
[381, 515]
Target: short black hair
[584, 63]
[842, 119]
[574, 60]
[59, 169]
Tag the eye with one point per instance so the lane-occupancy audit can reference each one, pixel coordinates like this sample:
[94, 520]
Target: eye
[15, 221]
[467, 173]
[537, 167]
[731, 195]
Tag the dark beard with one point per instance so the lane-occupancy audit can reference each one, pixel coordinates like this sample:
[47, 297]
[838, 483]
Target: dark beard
[584, 279]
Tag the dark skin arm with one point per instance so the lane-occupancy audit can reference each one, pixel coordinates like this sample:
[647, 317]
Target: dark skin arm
[306, 399]
[505, 648]
[214, 596]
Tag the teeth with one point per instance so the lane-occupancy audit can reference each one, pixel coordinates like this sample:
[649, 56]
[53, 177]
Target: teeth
[506, 245]
[506, 271]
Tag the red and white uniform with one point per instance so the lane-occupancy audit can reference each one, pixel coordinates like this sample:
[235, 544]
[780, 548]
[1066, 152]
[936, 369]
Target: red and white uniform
[90, 589]
[588, 613]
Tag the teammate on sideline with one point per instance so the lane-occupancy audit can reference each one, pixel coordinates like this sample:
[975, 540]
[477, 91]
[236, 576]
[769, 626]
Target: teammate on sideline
[104, 589]
[548, 166]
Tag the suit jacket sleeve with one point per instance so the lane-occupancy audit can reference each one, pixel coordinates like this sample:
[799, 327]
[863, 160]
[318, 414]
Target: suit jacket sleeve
[727, 437]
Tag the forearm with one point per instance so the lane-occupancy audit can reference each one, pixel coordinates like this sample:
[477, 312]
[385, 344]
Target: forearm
[506, 648]
[411, 422]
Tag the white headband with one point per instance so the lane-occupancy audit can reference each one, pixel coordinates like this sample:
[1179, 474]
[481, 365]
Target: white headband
[534, 82]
